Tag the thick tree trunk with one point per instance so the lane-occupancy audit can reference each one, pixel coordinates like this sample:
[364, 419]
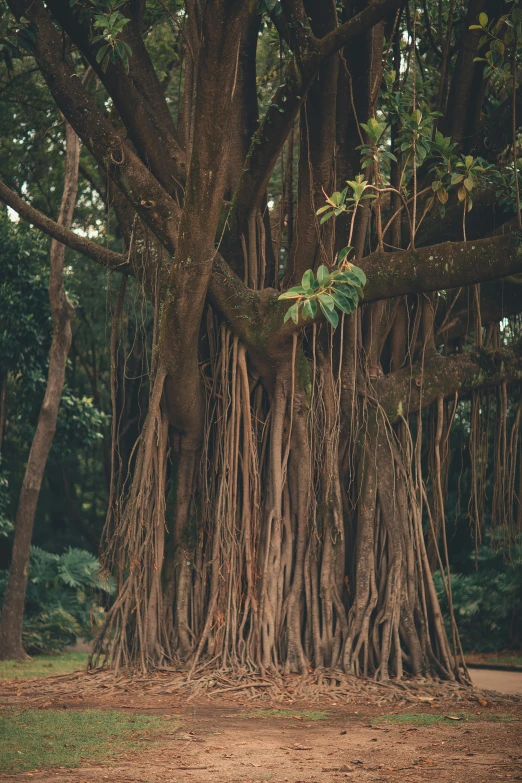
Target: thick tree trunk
[62, 312]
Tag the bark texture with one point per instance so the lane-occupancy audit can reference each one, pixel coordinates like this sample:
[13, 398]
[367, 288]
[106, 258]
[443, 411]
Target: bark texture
[62, 312]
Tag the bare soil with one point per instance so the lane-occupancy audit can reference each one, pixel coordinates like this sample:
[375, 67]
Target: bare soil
[222, 738]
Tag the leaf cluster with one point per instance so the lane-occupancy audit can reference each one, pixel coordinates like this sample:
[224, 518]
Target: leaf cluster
[107, 23]
[331, 291]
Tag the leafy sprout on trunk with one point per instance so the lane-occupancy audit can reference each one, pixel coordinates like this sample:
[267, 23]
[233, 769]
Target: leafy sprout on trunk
[338, 289]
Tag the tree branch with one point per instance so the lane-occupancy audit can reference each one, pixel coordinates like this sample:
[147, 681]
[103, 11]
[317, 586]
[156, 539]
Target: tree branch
[157, 209]
[280, 116]
[448, 265]
[102, 256]
[356, 26]
[138, 98]
[404, 391]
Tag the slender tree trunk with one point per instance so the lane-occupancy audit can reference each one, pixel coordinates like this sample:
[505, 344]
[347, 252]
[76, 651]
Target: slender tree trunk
[3, 394]
[62, 312]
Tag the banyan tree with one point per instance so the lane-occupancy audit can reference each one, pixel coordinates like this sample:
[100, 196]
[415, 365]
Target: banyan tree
[319, 200]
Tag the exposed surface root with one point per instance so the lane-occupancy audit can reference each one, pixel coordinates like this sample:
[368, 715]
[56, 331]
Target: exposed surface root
[323, 686]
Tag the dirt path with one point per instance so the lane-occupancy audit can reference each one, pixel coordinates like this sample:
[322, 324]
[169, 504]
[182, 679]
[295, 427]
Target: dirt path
[454, 735]
[503, 682]
[213, 744]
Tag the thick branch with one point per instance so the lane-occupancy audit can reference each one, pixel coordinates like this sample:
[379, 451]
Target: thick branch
[403, 391]
[86, 247]
[449, 265]
[356, 26]
[287, 101]
[157, 209]
[138, 97]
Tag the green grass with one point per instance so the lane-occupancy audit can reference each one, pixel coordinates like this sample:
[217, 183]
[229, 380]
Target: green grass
[422, 718]
[310, 715]
[35, 739]
[42, 665]
[509, 660]
[429, 719]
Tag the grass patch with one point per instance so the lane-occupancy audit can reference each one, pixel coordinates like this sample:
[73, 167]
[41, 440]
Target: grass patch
[35, 739]
[307, 715]
[508, 660]
[424, 718]
[43, 665]
[429, 719]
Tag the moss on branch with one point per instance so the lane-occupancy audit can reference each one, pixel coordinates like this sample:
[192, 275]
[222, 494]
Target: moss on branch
[448, 265]
[404, 391]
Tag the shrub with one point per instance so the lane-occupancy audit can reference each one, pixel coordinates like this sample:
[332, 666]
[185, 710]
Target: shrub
[487, 604]
[63, 601]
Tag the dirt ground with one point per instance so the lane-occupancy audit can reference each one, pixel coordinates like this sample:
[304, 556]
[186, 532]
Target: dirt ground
[229, 742]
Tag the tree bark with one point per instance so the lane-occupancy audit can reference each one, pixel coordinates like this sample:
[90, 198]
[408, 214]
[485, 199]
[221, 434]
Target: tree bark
[11, 622]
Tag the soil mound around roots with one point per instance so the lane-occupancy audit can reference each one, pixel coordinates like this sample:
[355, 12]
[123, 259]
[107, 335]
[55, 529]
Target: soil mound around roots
[167, 688]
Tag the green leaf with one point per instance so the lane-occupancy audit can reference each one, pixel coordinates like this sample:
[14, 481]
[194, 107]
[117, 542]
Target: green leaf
[100, 54]
[326, 300]
[326, 217]
[344, 304]
[330, 315]
[293, 313]
[323, 275]
[483, 19]
[308, 280]
[293, 293]
[343, 253]
[310, 307]
[359, 274]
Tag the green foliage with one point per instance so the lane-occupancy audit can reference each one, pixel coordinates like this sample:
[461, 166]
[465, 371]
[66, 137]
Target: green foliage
[487, 604]
[16, 40]
[107, 24]
[375, 152]
[35, 739]
[63, 598]
[80, 424]
[502, 36]
[25, 320]
[340, 202]
[415, 135]
[464, 173]
[338, 289]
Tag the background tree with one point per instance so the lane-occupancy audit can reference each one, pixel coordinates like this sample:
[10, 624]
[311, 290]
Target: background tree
[284, 502]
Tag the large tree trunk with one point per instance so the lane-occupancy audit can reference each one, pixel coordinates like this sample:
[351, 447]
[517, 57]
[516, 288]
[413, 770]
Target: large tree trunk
[62, 311]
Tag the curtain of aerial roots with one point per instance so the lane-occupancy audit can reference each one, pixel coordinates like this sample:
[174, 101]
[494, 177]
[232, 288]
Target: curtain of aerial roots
[134, 629]
[284, 573]
[304, 546]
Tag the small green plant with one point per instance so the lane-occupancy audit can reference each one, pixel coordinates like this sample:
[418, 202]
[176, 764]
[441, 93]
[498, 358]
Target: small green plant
[338, 289]
[375, 153]
[340, 202]
[500, 34]
[416, 134]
